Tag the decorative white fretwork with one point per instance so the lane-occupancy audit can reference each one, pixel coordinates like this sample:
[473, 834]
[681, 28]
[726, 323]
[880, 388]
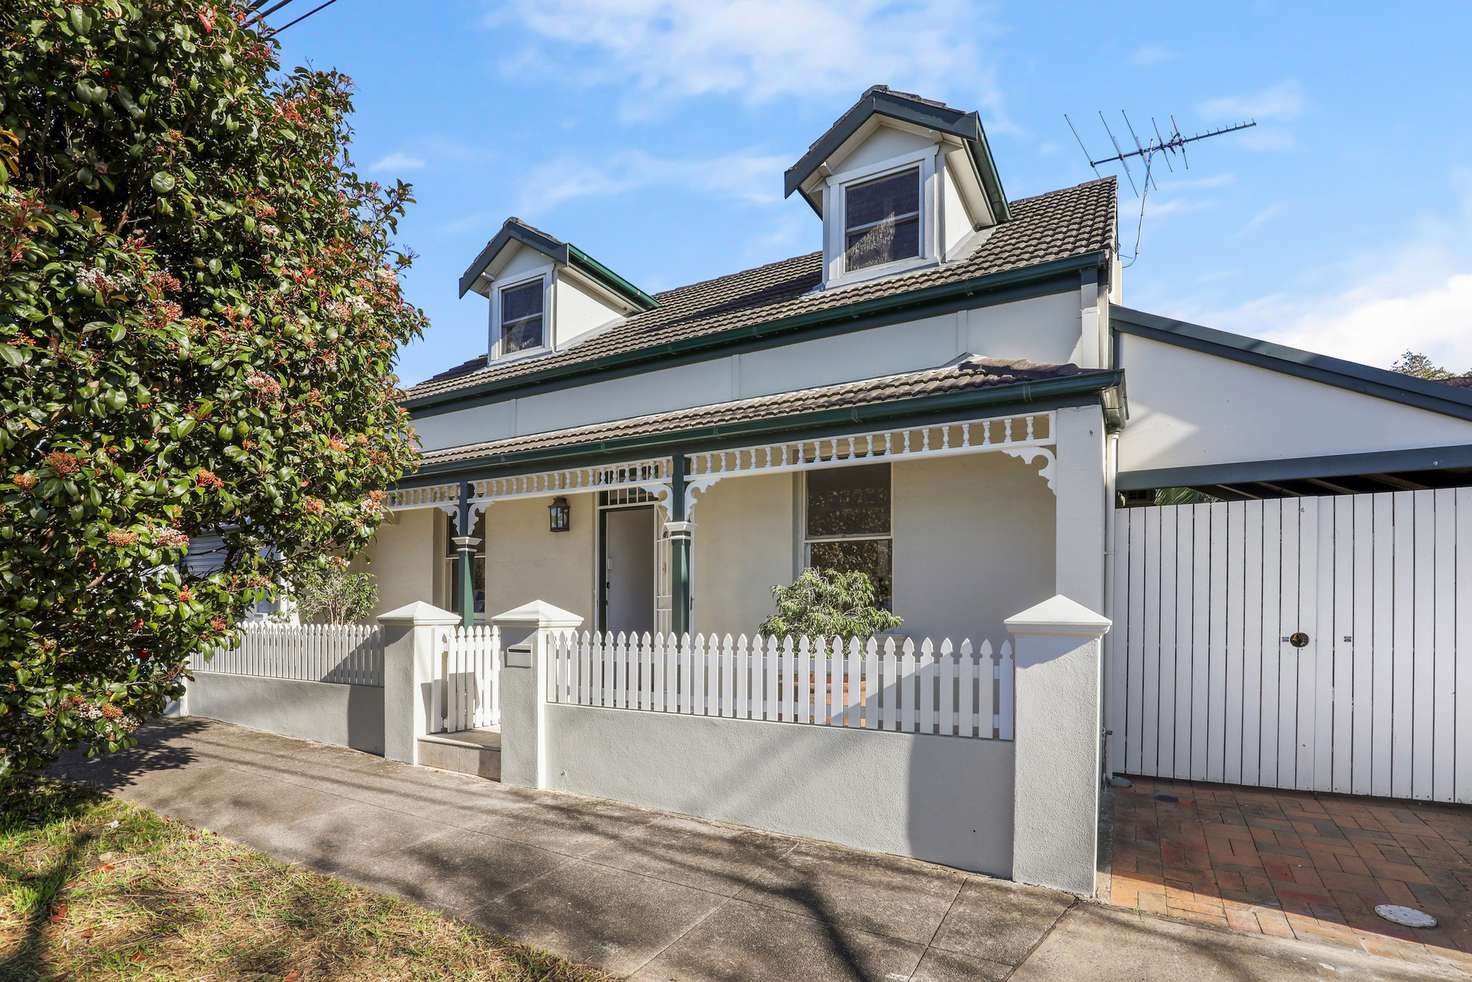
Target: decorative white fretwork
[543, 484]
[1028, 454]
[1027, 436]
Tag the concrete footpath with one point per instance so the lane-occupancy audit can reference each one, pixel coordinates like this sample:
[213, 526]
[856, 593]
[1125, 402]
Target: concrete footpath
[650, 895]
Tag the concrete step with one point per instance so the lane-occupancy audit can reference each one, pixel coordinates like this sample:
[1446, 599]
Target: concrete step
[476, 752]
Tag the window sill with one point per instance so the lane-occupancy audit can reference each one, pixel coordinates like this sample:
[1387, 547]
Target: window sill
[521, 355]
[880, 272]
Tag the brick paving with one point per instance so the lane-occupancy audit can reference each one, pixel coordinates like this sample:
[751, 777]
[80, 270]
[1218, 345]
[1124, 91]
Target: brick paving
[1294, 864]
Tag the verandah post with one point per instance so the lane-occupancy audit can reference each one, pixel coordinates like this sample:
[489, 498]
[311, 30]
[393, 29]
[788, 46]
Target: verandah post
[678, 529]
[465, 544]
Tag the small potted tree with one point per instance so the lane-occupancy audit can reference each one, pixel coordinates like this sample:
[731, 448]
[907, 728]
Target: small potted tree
[829, 604]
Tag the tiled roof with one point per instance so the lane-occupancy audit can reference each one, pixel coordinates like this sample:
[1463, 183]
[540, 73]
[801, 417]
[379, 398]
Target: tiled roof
[968, 372]
[1458, 381]
[1058, 225]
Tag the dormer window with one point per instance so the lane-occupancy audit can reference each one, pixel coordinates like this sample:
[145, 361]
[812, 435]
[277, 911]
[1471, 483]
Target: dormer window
[545, 294]
[522, 327]
[901, 183]
[882, 220]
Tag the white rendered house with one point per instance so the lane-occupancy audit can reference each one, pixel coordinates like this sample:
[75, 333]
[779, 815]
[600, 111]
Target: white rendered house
[948, 394]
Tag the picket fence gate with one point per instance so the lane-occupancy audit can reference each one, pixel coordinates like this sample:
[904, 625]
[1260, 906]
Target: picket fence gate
[346, 654]
[1313, 643]
[902, 686]
[467, 679]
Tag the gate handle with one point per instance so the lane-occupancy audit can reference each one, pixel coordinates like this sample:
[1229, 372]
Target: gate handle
[1298, 639]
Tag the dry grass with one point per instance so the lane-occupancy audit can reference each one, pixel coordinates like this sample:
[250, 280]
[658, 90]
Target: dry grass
[95, 888]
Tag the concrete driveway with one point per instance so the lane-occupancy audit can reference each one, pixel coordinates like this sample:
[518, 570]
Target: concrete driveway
[651, 895]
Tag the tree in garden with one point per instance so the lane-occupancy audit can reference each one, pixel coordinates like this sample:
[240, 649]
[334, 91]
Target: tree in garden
[332, 592]
[1421, 366]
[828, 603]
[199, 309]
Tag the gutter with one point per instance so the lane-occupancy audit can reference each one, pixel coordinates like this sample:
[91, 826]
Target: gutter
[1015, 393]
[774, 328]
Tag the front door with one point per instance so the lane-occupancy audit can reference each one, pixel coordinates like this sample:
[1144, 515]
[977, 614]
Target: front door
[628, 569]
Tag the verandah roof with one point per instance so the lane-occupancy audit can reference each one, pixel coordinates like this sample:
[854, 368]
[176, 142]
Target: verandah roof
[1019, 381]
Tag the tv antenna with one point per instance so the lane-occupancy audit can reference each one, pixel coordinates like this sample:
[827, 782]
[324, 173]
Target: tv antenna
[1164, 146]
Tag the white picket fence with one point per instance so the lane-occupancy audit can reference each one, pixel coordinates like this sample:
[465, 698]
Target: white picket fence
[467, 682]
[347, 654]
[878, 685]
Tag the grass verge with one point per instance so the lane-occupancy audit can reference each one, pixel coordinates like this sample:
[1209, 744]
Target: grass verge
[96, 888]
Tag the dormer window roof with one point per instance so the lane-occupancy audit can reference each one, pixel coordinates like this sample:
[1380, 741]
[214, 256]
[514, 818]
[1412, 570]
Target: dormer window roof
[563, 254]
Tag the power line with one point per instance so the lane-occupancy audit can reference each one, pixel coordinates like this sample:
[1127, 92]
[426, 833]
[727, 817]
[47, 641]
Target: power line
[264, 13]
[303, 17]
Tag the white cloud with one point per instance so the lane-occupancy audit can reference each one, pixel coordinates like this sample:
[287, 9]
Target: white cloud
[1260, 218]
[397, 162]
[1157, 208]
[1176, 182]
[1149, 55]
[1411, 293]
[751, 177]
[1284, 101]
[658, 51]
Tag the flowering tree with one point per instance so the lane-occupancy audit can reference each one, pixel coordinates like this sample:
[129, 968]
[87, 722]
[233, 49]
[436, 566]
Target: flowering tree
[199, 308]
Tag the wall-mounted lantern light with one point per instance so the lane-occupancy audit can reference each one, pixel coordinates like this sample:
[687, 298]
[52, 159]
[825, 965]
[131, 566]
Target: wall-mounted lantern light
[560, 514]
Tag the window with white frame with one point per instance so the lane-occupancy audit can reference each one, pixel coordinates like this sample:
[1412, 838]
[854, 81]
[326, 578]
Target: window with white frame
[522, 327]
[881, 220]
[846, 523]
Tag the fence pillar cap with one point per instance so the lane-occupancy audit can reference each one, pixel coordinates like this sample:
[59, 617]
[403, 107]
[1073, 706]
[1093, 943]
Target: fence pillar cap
[1059, 616]
[540, 613]
[419, 613]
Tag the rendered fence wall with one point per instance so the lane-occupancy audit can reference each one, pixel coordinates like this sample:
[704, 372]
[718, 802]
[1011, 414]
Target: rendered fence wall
[943, 799]
[321, 682]
[897, 747]
[341, 715]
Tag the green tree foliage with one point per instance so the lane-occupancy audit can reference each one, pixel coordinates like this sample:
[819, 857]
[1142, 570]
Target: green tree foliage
[199, 308]
[333, 593]
[828, 603]
[1421, 366]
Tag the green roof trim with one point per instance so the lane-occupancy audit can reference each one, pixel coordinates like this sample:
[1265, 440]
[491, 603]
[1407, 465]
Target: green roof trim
[868, 309]
[1378, 382]
[1039, 393]
[879, 100]
[601, 274]
[1298, 468]
[561, 253]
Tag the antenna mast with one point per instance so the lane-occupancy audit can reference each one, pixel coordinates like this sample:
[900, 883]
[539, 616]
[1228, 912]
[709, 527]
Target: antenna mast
[1162, 146]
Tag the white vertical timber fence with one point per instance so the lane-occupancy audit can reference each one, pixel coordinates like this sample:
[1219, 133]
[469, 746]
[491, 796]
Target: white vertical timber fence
[347, 654]
[945, 689]
[1204, 683]
[467, 681]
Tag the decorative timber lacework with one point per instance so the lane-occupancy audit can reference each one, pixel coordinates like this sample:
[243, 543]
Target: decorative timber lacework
[651, 475]
[1027, 436]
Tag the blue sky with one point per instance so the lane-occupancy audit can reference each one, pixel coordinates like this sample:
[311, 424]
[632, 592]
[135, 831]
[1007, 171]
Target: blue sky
[654, 134]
